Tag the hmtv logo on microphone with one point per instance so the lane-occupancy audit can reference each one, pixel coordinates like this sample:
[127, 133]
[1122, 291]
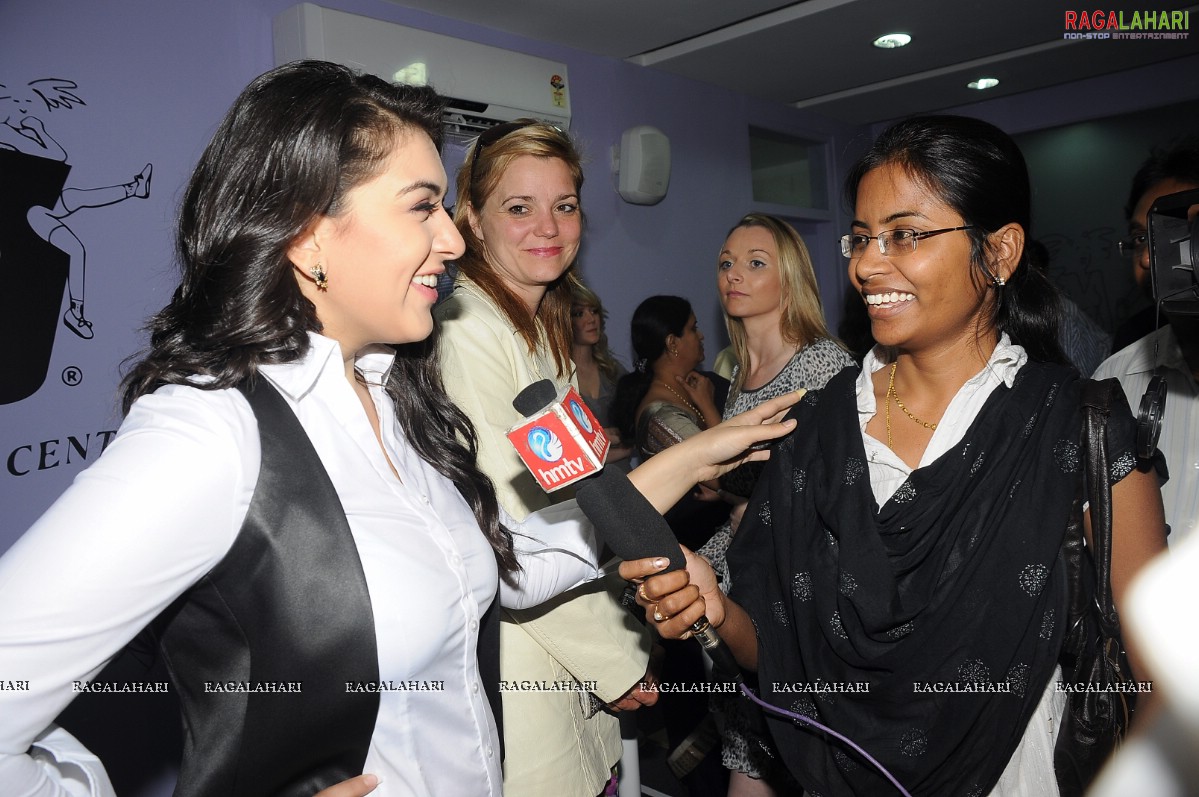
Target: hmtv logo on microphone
[561, 443]
[581, 415]
[545, 444]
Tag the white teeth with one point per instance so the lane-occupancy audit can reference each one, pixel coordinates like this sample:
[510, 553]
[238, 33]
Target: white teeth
[895, 297]
[428, 280]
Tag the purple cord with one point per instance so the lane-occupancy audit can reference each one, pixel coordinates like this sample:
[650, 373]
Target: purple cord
[809, 721]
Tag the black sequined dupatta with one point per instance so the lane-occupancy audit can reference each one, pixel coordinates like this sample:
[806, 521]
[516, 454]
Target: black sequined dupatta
[945, 605]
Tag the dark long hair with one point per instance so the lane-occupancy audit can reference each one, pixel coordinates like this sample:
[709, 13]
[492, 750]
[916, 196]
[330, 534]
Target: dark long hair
[978, 171]
[291, 147]
[654, 320]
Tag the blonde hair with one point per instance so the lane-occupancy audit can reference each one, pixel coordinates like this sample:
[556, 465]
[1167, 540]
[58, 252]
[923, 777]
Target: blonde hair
[802, 315]
[582, 296]
[477, 180]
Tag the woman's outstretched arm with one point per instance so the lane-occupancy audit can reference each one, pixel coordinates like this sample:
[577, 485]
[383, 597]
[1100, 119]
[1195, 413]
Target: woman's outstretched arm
[671, 473]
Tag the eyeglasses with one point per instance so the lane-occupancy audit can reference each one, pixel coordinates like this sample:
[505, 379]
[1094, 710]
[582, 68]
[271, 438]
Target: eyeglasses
[1134, 245]
[494, 134]
[895, 243]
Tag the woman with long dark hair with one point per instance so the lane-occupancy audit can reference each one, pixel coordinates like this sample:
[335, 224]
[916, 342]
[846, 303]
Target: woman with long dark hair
[665, 399]
[907, 536]
[292, 504]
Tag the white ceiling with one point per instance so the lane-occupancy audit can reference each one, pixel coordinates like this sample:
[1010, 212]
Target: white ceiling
[817, 54]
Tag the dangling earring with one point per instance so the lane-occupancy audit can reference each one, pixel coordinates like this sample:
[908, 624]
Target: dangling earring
[319, 277]
[996, 280]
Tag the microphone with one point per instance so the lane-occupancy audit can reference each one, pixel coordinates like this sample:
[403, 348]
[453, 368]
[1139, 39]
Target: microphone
[559, 428]
[633, 529]
[534, 397]
[560, 441]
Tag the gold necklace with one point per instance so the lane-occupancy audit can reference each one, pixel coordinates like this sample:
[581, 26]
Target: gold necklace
[683, 399]
[891, 394]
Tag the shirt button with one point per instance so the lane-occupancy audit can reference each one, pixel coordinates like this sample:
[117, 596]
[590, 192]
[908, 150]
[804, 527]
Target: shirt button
[475, 687]
[474, 625]
[490, 753]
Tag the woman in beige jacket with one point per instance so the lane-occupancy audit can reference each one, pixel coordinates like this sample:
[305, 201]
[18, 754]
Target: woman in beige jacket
[506, 325]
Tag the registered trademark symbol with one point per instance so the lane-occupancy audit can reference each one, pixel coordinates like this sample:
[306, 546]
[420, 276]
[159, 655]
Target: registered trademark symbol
[72, 376]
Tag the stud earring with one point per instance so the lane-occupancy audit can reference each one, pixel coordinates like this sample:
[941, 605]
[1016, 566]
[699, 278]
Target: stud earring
[999, 282]
[319, 277]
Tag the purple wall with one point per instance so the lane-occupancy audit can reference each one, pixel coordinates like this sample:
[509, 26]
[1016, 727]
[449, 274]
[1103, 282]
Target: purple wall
[156, 78]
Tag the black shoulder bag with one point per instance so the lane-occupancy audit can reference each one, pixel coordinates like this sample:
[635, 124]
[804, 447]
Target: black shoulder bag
[1096, 719]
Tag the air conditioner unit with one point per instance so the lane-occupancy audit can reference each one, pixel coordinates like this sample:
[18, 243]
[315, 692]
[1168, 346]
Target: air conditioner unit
[484, 86]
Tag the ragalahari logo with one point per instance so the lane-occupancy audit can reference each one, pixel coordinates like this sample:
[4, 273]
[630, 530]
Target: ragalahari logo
[1127, 25]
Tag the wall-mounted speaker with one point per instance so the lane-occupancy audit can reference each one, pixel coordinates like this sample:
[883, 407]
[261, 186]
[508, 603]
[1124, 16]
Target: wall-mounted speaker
[642, 165]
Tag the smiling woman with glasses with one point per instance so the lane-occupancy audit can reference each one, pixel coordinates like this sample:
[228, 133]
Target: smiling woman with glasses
[895, 243]
[908, 532]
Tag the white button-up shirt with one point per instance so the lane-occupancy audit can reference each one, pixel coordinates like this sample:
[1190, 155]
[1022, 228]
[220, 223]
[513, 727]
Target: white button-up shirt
[887, 471]
[1135, 366]
[1029, 772]
[164, 505]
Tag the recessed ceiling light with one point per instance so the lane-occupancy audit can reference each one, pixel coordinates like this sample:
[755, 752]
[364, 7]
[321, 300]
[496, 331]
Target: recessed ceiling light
[892, 40]
[982, 83]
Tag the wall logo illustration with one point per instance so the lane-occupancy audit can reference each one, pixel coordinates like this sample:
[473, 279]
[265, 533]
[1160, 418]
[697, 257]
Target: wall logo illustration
[545, 444]
[41, 256]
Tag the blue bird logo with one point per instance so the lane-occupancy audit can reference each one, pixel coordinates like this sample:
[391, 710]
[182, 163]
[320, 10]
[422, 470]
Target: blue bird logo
[580, 416]
[545, 444]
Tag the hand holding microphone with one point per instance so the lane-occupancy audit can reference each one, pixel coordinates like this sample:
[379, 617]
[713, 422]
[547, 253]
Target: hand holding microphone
[626, 511]
[637, 533]
[561, 443]
[679, 597]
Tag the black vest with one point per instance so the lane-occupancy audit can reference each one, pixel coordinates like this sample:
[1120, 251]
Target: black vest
[288, 605]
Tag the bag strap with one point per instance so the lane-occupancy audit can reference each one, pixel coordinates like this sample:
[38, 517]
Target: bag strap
[1098, 398]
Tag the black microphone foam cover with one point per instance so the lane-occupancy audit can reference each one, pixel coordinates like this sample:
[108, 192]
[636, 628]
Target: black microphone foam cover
[534, 397]
[626, 520]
